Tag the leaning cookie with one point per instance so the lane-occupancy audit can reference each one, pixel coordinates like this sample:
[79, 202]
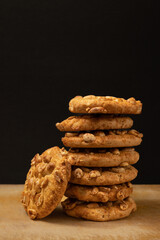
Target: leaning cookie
[46, 182]
[99, 211]
[104, 104]
[94, 122]
[99, 193]
[102, 176]
[103, 139]
[102, 157]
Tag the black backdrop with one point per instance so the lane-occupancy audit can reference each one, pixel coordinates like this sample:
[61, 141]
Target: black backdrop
[54, 50]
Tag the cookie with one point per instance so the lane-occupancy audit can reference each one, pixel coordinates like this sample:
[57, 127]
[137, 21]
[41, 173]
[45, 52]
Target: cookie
[46, 182]
[102, 176]
[99, 211]
[99, 193]
[94, 122]
[103, 139]
[102, 157]
[102, 104]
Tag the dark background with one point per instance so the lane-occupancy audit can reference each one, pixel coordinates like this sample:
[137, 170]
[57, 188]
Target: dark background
[52, 51]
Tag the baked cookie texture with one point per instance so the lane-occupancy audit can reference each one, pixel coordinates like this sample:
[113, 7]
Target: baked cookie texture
[104, 104]
[93, 157]
[46, 182]
[103, 139]
[102, 176]
[99, 193]
[94, 122]
[99, 211]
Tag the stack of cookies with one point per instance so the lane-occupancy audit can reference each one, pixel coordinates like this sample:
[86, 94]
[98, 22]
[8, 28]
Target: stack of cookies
[101, 153]
[100, 141]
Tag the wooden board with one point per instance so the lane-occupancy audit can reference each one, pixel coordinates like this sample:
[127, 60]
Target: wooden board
[143, 224]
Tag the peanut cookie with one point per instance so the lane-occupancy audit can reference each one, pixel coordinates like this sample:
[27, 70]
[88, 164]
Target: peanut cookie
[103, 139]
[102, 104]
[102, 176]
[103, 157]
[46, 182]
[99, 193]
[99, 211]
[94, 122]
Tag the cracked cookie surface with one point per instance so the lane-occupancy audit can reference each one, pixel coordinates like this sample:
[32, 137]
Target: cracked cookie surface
[46, 182]
[103, 139]
[102, 157]
[94, 122]
[99, 193]
[104, 104]
[102, 176]
[99, 211]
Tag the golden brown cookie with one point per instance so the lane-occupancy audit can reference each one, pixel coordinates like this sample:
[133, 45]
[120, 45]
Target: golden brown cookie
[99, 193]
[103, 139]
[94, 122]
[46, 182]
[103, 157]
[104, 104]
[102, 176]
[99, 211]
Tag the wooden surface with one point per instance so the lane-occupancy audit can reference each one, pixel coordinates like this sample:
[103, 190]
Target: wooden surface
[143, 224]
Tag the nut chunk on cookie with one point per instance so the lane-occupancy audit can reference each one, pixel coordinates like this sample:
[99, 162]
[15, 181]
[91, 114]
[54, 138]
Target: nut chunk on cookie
[46, 182]
[104, 104]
